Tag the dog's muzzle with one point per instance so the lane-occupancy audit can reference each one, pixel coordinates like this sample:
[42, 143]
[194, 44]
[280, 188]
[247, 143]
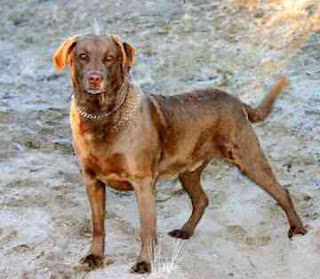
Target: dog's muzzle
[94, 81]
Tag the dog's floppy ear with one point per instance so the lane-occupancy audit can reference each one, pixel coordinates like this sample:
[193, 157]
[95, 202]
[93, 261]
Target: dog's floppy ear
[127, 50]
[131, 54]
[60, 58]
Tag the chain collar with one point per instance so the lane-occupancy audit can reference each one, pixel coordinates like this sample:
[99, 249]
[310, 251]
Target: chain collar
[98, 117]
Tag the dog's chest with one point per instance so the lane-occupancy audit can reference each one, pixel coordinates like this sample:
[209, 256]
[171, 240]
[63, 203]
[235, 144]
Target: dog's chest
[107, 160]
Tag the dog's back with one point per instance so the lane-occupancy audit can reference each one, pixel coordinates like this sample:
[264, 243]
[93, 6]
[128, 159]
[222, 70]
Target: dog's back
[216, 102]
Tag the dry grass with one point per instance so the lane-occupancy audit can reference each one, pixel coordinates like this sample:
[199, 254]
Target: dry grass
[164, 266]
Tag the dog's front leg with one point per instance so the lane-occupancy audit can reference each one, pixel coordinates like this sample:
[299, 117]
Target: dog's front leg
[96, 195]
[145, 194]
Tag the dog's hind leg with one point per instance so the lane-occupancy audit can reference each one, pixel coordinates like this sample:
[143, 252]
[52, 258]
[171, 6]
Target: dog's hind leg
[191, 183]
[247, 155]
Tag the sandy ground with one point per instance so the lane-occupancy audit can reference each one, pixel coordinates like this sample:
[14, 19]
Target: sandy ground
[44, 214]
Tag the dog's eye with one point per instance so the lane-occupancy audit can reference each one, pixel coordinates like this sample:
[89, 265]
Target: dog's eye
[83, 56]
[108, 59]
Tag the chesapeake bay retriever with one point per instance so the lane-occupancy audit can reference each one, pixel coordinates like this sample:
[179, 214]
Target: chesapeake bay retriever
[128, 140]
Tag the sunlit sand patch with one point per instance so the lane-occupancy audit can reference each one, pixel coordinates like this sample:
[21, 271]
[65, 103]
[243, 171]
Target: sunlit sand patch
[301, 15]
[293, 24]
[285, 26]
[252, 5]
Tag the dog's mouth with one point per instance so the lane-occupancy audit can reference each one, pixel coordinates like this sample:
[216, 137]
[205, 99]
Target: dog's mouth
[94, 92]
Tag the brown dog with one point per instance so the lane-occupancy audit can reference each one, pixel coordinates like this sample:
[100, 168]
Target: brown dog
[128, 140]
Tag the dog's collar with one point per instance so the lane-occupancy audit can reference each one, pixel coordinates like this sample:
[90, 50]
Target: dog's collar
[98, 117]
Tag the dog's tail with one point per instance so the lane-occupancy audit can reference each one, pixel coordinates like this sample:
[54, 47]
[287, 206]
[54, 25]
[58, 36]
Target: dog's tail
[262, 112]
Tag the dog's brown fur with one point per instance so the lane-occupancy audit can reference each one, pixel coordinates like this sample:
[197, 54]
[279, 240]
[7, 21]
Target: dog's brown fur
[151, 137]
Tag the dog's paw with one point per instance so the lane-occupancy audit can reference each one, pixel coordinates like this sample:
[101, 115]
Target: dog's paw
[297, 230]
[90, 262]
[141, 267]
[180, 234]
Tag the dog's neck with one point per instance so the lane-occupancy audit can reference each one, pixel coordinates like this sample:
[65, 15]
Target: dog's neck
[95, 108]
[121, 112]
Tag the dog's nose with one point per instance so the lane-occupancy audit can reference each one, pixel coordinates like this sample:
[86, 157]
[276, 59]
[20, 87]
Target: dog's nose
[95, 79]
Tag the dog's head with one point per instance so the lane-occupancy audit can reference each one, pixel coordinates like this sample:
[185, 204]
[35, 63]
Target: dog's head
[99, 64]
